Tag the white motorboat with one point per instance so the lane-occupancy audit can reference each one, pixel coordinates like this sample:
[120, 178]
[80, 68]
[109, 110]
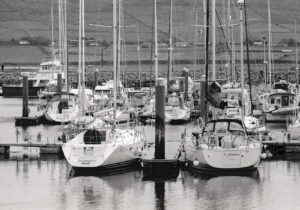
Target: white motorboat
[222, 145]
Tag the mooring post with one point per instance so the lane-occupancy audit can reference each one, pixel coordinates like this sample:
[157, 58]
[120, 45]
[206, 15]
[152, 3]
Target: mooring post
[202, 97]
[25, 95]
[160, 119]
[186, 83]
[6, 150]
[96, 78]
[59, 82]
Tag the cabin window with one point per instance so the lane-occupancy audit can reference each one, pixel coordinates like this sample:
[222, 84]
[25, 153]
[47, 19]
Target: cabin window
[220, 127]
[292, 100]
[235, 126]
[272, 100]
[278, 101]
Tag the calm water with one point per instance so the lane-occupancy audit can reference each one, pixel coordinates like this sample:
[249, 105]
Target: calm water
[43, 183]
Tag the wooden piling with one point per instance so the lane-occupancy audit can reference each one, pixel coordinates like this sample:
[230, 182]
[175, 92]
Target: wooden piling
[95, 78]
[25, 95]
[160, 119]
[202, 97]
[59, 82]
[186, 83]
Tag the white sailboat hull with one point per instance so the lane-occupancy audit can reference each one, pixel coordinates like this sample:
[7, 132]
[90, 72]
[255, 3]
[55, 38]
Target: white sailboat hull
[110, 154]
[294, 131]
[224, 159]
[55, 117]
[178, 115]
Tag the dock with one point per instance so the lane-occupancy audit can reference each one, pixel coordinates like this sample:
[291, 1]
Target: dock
[45, 148]
[288, 150]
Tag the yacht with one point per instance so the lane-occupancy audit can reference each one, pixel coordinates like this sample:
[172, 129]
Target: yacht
[222, 144]
[38, 81]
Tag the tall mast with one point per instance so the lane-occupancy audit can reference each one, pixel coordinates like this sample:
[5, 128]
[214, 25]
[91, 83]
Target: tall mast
[296, 54]
[52, 34]
[269, 48]
[60, 30]
[213, 40]
[66, 60]
[233, 51]
[119, 45]
[228, 37]
[170, 45]
[248, 59]
[81, 60]
[195, 46]
[241, 2]
[139, 55]
[205, 23]
[155, 41]
[206, 9]
[115, 56]
[79, 48]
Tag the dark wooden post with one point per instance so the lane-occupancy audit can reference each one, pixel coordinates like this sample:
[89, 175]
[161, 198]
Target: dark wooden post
[202, 97]
[95, 78]
[186, 83]
[59, 82]
[160, 119]
[25, 95]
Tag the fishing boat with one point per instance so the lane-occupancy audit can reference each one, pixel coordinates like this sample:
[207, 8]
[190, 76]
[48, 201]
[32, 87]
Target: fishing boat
[222, 144]
[100, 150]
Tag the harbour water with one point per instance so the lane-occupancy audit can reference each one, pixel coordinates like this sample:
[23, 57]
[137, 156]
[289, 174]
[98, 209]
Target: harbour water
[42, 182]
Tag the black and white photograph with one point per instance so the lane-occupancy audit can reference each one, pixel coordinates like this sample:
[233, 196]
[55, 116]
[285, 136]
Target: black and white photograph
[149, 104]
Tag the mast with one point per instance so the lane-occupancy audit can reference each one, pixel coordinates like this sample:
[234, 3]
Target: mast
[115, 57]
[248, 59]
[52, 34]
[155, 41]
[241, 2]
[213, 40]
[79, 48]
[269, 47]
[119, 45]
[139, 55]
[233, 51]
[170, 46]
[228, 37]
[60, 30]
[81, 60]
[296, 54]
[66, 59]
[195, 46]
[206, 9]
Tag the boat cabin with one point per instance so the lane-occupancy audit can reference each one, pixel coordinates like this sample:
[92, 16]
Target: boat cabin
[281, 100]
[225, 133]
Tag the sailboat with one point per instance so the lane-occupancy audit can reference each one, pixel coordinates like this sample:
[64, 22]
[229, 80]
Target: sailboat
[222, 144]
[100, 150]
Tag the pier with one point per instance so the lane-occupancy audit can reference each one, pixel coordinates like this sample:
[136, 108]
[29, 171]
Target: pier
[282, 150]
[45, 148]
